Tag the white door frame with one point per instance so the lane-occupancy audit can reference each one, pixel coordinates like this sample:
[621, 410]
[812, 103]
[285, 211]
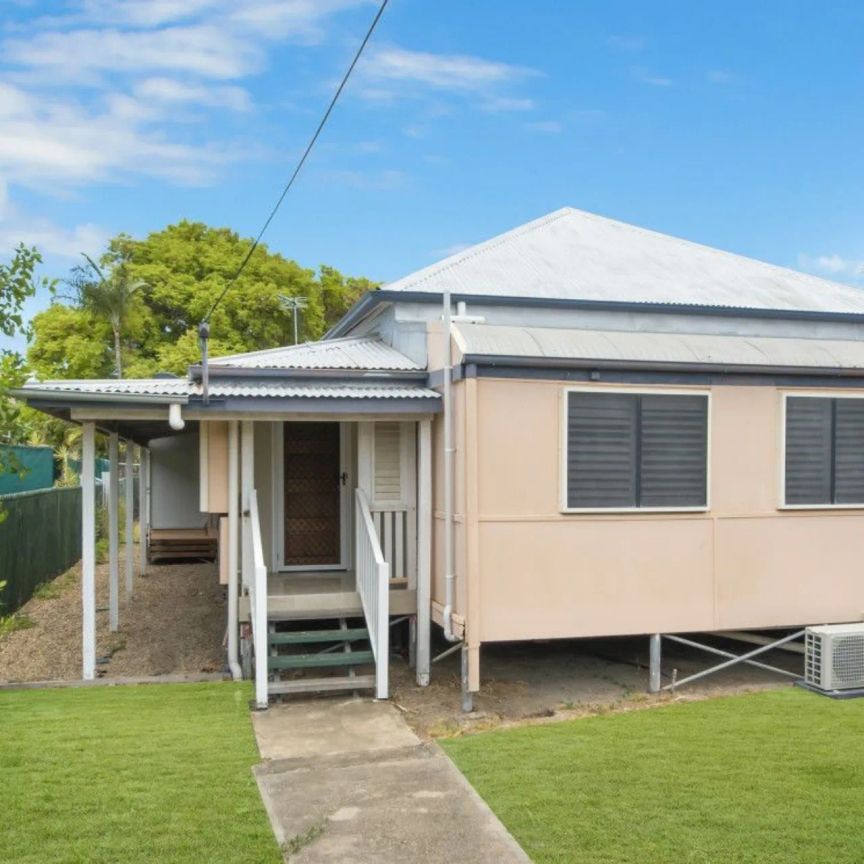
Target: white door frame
[278, 509]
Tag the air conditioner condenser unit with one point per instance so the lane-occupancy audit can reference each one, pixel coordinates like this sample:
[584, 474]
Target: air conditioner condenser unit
[834, 657]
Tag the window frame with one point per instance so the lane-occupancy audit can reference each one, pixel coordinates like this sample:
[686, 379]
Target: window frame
[781, 492]
[563, 432]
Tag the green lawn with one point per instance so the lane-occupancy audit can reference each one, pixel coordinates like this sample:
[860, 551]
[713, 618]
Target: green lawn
[155, 773]
[768, 778]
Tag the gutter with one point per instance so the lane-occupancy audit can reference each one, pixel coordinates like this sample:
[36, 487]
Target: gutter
[515, 362]
[369, 301]
[26, 394]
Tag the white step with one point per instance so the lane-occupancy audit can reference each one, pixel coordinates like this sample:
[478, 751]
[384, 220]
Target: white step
[321, 685]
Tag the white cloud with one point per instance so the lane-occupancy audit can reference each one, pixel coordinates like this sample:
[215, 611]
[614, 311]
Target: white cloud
[172, 91]
[82, 55]
[390, 72]
[645, 76]
[444, 71]
[545, 127]
[833, 265]
[51, 239]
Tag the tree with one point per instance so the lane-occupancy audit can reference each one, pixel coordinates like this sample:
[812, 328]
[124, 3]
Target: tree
[112, 297]
[179, 272]
[17, 284]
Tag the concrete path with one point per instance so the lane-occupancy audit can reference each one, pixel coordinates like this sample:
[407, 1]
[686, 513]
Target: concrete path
[349, 782]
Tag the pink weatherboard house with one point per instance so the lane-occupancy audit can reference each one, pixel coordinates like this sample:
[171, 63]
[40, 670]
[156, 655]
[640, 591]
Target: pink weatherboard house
[578, 428]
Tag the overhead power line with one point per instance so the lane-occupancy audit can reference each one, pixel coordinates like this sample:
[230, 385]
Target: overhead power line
[300, 164]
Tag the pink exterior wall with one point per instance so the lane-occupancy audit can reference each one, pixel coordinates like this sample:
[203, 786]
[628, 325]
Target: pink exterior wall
[533, 572]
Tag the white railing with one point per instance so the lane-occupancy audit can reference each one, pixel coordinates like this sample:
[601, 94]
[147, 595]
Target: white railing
[397, 535]
[255, 583]
[373, 585]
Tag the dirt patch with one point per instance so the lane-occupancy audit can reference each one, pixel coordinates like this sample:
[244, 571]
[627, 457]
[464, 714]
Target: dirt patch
[174, 623]
[542, 682]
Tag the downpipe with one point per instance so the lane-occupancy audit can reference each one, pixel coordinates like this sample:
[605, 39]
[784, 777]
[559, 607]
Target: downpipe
[449, 557]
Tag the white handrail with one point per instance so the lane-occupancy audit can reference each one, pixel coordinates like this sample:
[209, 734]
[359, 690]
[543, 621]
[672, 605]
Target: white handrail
[257, 588]
[373, 585]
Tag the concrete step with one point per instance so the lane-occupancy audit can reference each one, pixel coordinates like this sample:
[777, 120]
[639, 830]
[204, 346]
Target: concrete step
[322, 685]
[303, 637]
[319, 661]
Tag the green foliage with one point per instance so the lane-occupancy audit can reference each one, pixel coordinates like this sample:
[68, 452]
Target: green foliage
[16, 285]
[161, 287]
[69, 343]
[766, 778]
[155, 773]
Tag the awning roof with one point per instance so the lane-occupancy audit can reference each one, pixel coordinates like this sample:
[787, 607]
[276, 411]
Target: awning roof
[601, 347]
[166, 391]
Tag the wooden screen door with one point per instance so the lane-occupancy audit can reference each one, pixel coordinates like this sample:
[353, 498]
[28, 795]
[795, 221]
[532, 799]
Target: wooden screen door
[312, 466]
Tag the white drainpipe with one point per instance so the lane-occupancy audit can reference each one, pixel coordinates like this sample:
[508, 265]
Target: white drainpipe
[449, 558]
[175, 417]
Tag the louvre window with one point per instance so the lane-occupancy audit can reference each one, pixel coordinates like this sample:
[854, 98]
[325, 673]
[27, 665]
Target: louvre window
[824, 451]
[636, 450]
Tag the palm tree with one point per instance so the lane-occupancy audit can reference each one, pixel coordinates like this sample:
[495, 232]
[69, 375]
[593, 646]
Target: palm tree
[111, 298]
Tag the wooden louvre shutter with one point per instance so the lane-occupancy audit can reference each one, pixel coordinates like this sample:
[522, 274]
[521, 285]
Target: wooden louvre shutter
[673, 452]
[387, 478]
[601, 450]
[808, 450]
[849, 451]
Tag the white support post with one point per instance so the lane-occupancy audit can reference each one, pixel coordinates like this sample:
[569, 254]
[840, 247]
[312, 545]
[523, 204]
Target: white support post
[365, 449]
[113, 535]
[233, 550]
[142, 511]
[129, 480]
[247, 484]
[88, 551]
[424, 551]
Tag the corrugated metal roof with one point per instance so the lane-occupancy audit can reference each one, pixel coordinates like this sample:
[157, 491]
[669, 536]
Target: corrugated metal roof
[640, 347]
[349, 353]
[573, 255]
[182, 389]
[112, 386]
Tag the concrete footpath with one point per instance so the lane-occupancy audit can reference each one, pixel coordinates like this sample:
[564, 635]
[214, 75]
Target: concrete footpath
[349, 782]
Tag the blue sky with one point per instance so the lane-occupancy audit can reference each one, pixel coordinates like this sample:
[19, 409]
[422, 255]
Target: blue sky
[735, 124]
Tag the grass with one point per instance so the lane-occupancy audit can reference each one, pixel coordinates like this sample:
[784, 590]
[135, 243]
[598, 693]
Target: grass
[132, 774]
[769, 778]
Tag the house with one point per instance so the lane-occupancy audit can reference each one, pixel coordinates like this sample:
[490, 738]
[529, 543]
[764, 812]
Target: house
[613, 432]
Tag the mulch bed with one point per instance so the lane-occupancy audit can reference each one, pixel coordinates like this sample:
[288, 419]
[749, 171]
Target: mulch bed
[174, 623]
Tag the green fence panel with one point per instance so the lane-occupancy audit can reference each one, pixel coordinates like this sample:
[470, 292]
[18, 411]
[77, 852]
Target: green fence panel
[23, 469]
[40, 537]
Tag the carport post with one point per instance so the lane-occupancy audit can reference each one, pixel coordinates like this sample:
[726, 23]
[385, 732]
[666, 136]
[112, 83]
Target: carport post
[142, 510]
[88, 551]
[129, 480]
[113, 534]
[654, 664]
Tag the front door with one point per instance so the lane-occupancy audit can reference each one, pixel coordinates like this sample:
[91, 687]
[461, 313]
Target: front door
[312, 484]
